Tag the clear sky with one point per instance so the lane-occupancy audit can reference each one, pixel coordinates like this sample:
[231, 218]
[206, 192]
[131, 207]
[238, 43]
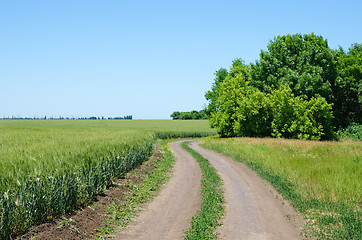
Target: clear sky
[143, 58]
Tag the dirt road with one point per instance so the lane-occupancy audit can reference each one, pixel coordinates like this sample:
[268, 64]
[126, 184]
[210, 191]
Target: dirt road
[170, 213]
[254, 210]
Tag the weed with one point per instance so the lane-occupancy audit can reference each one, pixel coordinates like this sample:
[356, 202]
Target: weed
[65, 222]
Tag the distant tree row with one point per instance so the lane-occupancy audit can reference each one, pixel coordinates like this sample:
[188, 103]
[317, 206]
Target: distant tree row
[67, 118]
[189, 115]
[109, 118]
[299, 88]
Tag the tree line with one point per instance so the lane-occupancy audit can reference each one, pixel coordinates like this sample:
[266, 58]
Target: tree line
[129, 117]
[299, 88]
[189, 115]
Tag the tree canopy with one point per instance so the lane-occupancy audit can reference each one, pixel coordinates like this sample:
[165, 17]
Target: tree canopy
[305, 63]
[348, 95]
[299, 88]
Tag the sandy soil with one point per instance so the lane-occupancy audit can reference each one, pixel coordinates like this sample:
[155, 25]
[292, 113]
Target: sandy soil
[169, 214]
[254, 210]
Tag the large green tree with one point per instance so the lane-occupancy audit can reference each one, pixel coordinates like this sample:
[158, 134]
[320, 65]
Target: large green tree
[229, 92]
[299, 88]
[348, 96]
[305, 63]
[288, 93]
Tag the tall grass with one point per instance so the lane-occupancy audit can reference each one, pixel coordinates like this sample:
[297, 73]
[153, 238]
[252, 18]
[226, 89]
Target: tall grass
[322, 179]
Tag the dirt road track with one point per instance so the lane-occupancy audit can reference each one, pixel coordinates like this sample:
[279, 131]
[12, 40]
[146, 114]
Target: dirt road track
[252, 208]
[170, 213]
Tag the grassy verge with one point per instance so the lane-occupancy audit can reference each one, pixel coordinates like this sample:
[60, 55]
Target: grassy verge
[321, 179]
[212, 209]
[150, 178]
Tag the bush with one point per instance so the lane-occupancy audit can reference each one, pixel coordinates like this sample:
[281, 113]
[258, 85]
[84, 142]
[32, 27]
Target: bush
[353, 132]
[294, 117]
[253, 115]
[245, 111]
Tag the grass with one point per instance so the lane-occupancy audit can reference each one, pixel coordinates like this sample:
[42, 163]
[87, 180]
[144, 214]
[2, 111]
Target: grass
[322, 179]
[51, 167]
[207, 219]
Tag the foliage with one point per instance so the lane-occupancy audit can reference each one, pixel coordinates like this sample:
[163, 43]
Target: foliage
[321, 179]
[353, 132]
[299, 88]
[253, 115]
[189, 115]
[234, 86]
[294, 117]
[207, 219]
[212, 95]
[348, 103]
[244, 110]
[305, 63]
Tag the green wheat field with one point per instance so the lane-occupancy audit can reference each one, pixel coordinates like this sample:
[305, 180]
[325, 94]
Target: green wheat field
[51, 167]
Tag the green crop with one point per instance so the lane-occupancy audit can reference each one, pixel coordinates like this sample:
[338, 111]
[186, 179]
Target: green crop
[51, 167]
[43, 183]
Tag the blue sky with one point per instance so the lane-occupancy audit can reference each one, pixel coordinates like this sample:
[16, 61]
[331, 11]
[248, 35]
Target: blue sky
[143, 58]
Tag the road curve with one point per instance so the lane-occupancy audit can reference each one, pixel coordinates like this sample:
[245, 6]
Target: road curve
[169, 214]
[254, 210]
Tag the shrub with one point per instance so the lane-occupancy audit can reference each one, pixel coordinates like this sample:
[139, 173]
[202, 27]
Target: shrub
[294, 117]
[353, 132]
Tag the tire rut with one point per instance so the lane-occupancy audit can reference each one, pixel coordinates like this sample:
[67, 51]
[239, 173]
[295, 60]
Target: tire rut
[168, 215]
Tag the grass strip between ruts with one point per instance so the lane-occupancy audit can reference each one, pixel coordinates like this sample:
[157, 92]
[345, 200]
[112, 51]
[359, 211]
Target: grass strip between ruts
[212, 209]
